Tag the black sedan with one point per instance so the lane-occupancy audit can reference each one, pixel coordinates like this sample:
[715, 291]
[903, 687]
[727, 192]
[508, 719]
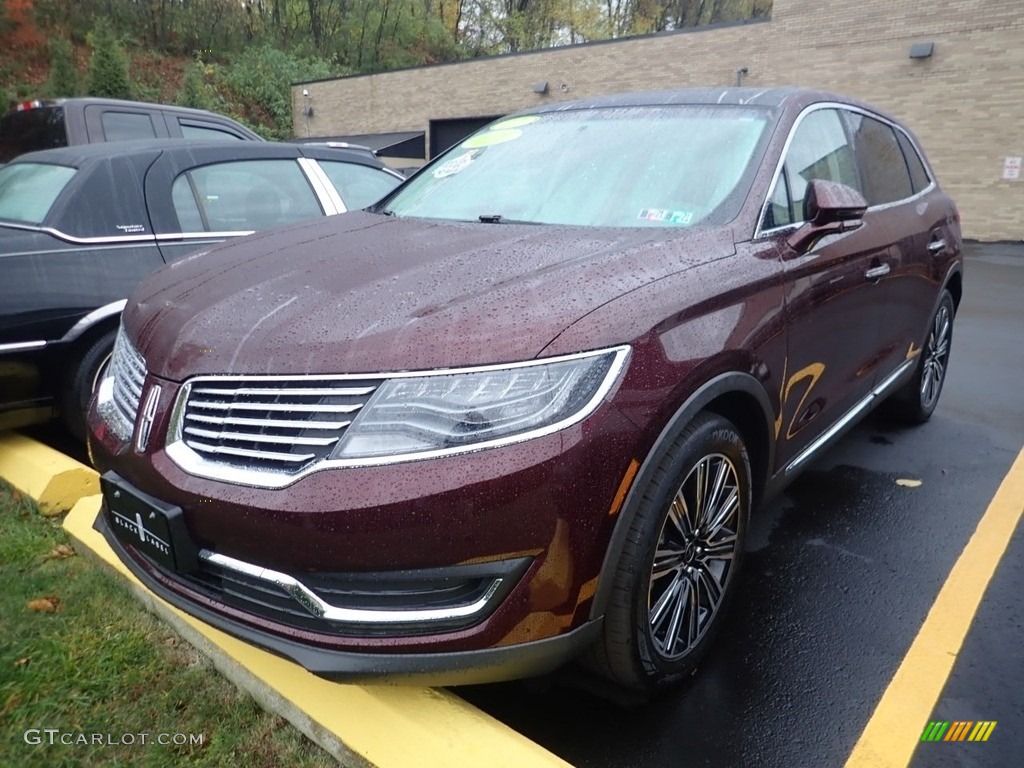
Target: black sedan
[81, 226]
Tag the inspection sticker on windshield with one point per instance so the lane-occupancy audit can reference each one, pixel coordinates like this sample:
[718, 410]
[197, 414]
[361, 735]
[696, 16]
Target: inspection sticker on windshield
[665, 215]
[455, 165]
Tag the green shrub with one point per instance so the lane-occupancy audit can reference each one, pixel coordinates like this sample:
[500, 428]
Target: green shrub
[63, 74]
[108, 65]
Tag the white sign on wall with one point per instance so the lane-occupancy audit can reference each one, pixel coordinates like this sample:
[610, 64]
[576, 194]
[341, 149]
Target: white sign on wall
[1011, 168]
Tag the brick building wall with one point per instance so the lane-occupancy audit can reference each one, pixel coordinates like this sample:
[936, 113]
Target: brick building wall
[965, 102]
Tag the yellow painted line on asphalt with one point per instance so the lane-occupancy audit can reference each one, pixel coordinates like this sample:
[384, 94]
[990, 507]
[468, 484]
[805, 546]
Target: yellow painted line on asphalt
[48, 476]
[360, 725]
[894, 730]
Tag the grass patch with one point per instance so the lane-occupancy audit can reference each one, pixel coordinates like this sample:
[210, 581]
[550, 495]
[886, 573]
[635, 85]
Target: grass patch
[80, 655]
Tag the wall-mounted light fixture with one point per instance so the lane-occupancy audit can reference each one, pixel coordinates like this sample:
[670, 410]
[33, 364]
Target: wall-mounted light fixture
[540, 88]
[740, 74]
[307, 108]
[922, 50]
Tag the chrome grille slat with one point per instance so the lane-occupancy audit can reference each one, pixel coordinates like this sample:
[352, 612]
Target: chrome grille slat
[129, 371]
[229, 451]
[241, 421]
[269, 424]
[256, 438]
[282, 407]
[310, 391]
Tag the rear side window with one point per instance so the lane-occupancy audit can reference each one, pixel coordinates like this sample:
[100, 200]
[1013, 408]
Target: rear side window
[359, 185]
[886, 178]
[918, 175]
[247, 195]
[125, 126]
[28, 190]
[30, 130]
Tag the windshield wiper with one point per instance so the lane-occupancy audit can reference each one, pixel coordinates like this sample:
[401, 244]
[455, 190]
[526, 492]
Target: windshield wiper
[497, 218]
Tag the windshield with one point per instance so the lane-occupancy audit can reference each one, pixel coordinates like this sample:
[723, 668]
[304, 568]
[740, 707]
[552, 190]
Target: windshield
[673, 166]
[28, 190]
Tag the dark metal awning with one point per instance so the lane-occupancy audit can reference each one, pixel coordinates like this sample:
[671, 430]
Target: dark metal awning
[411, 144]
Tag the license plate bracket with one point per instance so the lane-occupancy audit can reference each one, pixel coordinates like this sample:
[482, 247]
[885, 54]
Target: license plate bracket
[153, 527]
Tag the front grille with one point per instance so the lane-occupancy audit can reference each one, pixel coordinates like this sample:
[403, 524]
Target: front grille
[129, 371]
[270, 424]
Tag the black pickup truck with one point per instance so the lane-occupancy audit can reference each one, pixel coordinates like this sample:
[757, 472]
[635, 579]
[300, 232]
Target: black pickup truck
[51, 123]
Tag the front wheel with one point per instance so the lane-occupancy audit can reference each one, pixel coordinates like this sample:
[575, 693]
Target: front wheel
[679, 564]
[915, 402]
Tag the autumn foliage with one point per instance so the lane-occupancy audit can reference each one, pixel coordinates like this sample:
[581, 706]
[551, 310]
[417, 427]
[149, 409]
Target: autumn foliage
[18, 30]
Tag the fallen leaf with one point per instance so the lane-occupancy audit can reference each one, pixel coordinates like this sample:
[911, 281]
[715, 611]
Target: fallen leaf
[46, 604]
[60, 552]
[908, 483]
[24, 661]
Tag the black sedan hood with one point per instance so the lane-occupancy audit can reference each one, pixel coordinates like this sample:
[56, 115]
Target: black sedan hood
[363, 293]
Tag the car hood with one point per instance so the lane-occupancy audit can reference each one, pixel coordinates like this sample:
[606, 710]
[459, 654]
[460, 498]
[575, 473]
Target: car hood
[363, 293]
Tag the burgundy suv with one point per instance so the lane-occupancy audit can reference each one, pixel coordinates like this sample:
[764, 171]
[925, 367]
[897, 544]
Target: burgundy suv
[522, 409]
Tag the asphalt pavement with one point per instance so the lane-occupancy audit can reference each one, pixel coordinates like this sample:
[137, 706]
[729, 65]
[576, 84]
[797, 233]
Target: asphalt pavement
[840, 574]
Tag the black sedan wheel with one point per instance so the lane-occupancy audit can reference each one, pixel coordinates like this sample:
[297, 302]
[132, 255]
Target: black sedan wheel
[680, 560]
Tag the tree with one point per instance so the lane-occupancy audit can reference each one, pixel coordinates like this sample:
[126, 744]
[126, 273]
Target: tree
[195, 91]
[63, 74]
[108, 65]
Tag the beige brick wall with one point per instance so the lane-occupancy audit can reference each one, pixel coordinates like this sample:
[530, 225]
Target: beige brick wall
[966, 102]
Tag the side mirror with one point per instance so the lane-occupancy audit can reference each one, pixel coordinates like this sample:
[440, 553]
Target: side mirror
[830, 208]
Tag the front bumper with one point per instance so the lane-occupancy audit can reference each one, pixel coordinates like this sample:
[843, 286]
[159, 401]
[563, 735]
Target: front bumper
[459, 668]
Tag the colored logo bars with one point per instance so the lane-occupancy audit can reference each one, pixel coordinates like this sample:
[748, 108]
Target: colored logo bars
[960, 730]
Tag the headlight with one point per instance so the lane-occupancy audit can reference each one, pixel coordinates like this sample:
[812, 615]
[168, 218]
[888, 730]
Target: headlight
[479, 408]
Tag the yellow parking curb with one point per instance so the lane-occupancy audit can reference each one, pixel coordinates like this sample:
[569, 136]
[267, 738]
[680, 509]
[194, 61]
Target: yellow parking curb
[48, 476]
[360, 725]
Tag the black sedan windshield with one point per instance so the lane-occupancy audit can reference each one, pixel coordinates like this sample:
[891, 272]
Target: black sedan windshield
[620, 167]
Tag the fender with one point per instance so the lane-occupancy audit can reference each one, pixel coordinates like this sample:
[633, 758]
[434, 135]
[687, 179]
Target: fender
[94, 317]
[722, 384]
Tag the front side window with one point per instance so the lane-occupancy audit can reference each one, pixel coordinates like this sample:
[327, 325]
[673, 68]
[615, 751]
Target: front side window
[28, 190]
[125, 126]
[819, 150]
[244, 196]
[359, 185]
[884, 172]
[668, 166]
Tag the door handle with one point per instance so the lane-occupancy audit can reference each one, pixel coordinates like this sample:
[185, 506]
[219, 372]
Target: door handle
[935, 247]
[877, 272]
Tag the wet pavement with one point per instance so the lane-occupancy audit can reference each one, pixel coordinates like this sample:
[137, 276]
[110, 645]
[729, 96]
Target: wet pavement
[840, 574]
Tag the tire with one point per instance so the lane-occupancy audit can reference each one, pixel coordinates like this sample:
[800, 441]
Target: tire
[915, 402]
[81, 378]
[669, 593]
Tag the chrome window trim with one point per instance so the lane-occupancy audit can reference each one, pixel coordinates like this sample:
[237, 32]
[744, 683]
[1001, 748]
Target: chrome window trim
[320, 608]
[194, 464]
[119, 239]
[22, 346]
[329, 197]
[96, 316]
[761, 233]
